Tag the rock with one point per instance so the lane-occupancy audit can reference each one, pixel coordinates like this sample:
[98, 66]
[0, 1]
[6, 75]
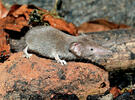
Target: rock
[93, 97]
[124, 96]
[107, 97]
[40, 78]
[64, 97]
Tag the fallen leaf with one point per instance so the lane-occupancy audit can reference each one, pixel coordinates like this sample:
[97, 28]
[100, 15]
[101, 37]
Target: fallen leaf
[61, 24]
[115, 91]
[99, 25]
[3, 10]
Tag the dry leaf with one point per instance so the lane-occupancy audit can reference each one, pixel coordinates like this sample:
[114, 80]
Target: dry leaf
[3, 10]
[99, 25]
[61, 24]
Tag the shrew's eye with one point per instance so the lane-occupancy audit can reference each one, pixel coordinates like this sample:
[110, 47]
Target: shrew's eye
[91, 49]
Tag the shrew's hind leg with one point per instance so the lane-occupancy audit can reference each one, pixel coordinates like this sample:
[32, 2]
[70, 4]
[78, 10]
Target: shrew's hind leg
[62, 62]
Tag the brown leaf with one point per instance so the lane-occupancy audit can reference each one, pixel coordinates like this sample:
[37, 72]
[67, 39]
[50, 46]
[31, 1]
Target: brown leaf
[15, 24]
[13, 8]
[25, 10]
[17, 10]
[21, 10]
[3, 10]
[99, 25]
[61, 24]
[115, 91]
[18, 17]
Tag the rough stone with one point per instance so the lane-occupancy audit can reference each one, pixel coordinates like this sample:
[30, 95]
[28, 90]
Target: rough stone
[38, 77]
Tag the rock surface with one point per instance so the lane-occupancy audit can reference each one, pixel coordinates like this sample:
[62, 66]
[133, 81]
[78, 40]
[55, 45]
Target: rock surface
[39, 78]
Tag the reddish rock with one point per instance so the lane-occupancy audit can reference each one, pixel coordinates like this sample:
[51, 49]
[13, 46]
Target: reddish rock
[40, 78]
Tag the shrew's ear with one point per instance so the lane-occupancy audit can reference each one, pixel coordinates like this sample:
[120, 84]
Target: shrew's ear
[75, 48]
